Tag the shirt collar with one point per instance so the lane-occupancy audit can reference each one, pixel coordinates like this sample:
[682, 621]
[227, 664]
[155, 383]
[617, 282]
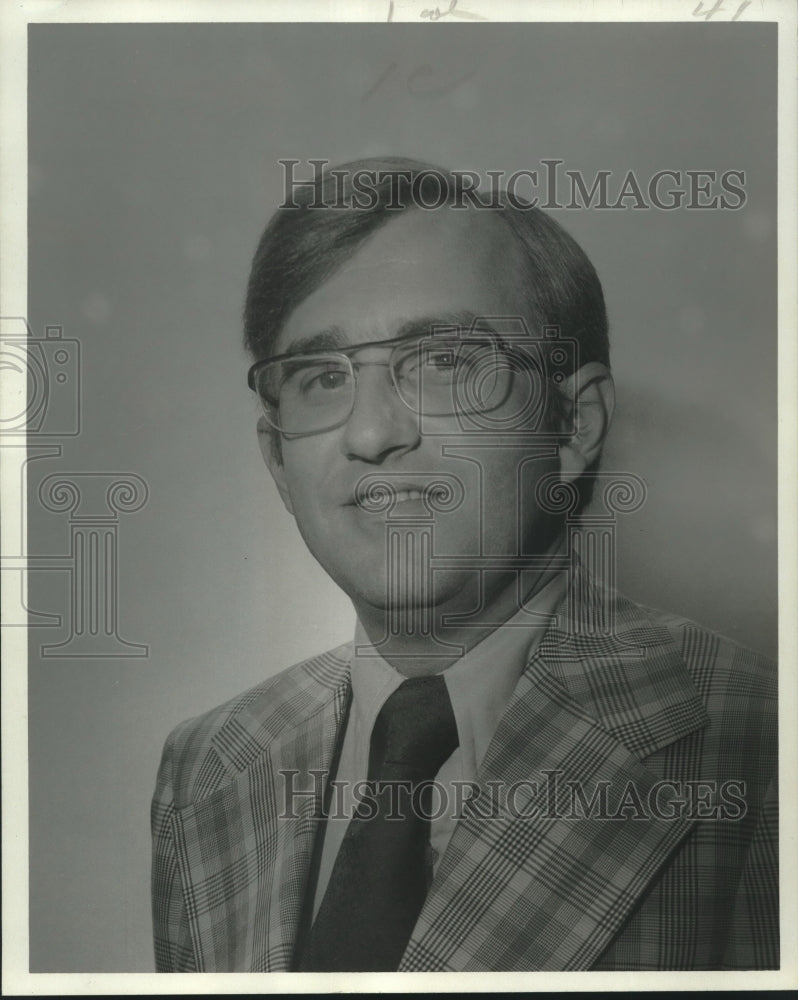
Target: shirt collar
[480, 683]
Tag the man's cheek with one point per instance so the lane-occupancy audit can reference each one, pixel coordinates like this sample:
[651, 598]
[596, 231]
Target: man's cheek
[304, 487]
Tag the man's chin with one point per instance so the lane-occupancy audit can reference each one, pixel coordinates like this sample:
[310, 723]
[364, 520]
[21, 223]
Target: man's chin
[412, 602]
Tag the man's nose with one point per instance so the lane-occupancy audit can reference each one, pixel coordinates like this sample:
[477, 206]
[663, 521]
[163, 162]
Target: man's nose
[380, 423]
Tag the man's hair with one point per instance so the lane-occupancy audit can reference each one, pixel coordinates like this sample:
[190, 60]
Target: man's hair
[306, 241]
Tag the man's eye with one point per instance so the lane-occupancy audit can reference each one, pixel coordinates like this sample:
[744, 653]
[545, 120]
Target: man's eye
[327, 379]
[330, 379]
[442, 360]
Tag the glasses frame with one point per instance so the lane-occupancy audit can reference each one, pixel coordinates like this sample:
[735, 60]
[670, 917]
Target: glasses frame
[395, 343]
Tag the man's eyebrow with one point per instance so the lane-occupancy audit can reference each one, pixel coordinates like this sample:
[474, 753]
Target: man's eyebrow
[440, 323]
[330, 339]
[333, 338]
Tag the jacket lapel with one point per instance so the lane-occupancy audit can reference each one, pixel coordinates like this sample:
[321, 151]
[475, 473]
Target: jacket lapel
[536, 876]
[245, 851]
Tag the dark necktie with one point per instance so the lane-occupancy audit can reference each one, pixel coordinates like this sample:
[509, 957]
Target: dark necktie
[381, 874]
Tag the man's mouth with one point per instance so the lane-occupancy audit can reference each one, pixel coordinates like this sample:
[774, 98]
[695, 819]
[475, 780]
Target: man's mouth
[381, 495]
[402, 495]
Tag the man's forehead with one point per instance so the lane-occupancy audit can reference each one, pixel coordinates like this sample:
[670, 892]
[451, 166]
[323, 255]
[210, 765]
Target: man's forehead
[474, 239]
[429, 264]
[478, 230]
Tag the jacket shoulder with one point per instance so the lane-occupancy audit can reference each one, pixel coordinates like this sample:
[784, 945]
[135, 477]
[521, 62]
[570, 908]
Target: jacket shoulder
[739, 690]
[717, 664]
[192, 765]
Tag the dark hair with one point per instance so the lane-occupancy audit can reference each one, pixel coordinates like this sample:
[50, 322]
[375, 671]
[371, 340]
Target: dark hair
[304, 245]
[305, 242]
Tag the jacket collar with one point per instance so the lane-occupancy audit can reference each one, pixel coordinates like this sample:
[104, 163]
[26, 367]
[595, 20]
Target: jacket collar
[274, 713]
[621, 664]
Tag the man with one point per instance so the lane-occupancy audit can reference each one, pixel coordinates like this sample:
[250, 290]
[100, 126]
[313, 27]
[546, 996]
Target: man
[511, 767]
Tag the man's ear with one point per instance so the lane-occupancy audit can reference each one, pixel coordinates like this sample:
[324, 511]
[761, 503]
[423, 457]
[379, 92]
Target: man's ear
[270, 449]
[591, 400]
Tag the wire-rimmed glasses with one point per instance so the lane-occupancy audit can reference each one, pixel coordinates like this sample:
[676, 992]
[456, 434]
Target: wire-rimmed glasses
[439, 375]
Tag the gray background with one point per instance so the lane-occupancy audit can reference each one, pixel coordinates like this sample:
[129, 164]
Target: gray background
[153, 154]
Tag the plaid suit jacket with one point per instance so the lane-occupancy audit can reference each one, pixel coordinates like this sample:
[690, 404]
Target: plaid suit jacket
[658, 708]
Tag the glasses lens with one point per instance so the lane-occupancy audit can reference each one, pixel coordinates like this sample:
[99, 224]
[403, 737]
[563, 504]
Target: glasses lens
[437, 377]
[507, 392]
[303, 395]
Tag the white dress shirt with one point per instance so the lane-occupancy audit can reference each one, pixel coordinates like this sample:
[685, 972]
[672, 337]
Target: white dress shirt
[480, 685]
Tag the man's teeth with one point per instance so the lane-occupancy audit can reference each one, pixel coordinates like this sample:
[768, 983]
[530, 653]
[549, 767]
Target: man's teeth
[427, 494]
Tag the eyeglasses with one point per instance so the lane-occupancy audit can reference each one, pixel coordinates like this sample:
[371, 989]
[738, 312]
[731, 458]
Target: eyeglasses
[438, 375]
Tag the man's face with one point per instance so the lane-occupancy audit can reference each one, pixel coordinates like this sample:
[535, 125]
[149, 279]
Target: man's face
[420, 269]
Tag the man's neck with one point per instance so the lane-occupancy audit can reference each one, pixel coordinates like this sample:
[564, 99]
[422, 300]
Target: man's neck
[415, 651]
